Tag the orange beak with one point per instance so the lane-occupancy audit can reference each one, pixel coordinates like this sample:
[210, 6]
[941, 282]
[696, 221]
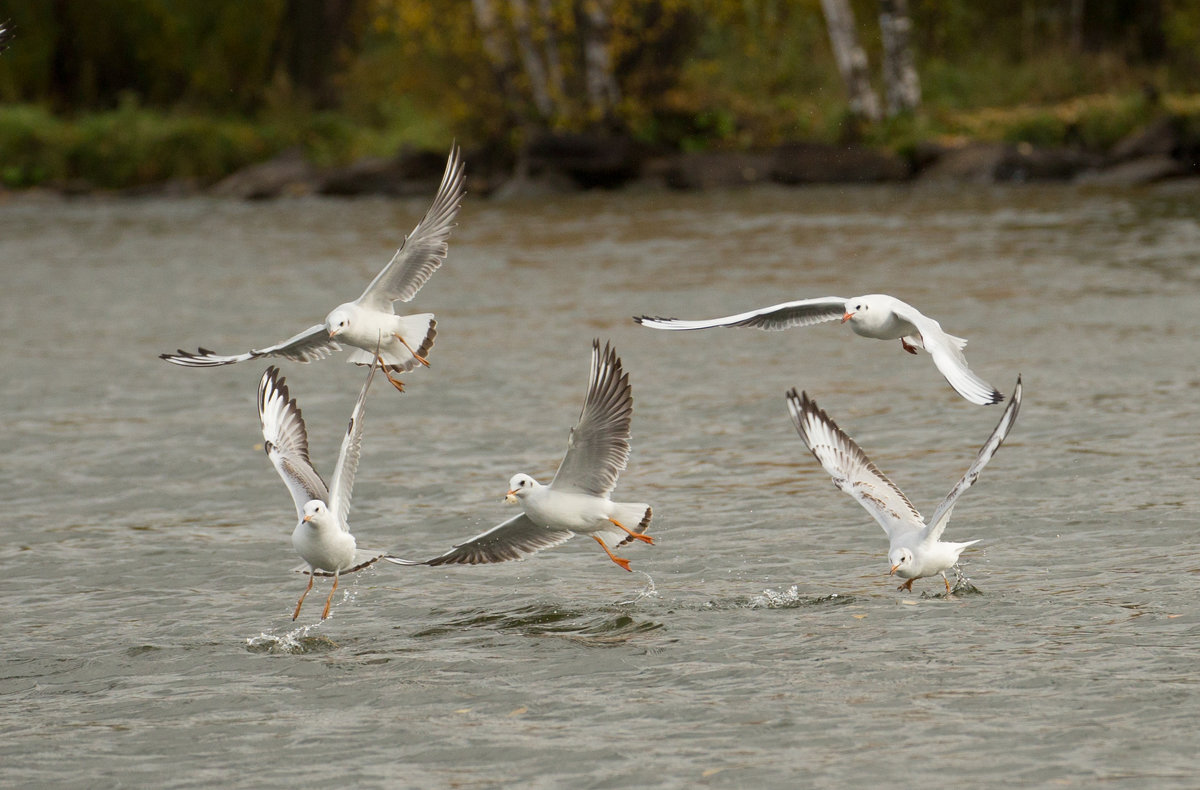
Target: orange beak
[892, 572]
[306, 519]
[847, 317]
[511, 496]
[334, 331]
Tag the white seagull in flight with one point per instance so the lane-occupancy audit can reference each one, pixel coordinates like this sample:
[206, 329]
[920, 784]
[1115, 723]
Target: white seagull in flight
[875, 315]
[916, 549]
[322, 535]
[577, 500]
[403, 341]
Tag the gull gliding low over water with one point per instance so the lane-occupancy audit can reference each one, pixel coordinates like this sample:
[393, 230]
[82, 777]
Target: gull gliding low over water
[577, 500]
[322, 535]
[370, 323]
[878, 316]
[916, 549]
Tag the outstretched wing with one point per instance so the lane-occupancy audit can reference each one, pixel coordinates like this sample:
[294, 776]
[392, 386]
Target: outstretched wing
[598, 446]
[515, 539]
[342, 487]
[937, 523]
[286, 441]
[948, 356]
[852, 471]
[311, 344]
[424, 249]
[804, 312]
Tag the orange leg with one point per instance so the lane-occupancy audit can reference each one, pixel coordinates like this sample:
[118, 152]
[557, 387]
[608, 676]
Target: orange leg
[947, 581]
[416, 356]
[397, 383]
[304, 595]
[623, 563]
[907, 585]
[907, 347]
[329, 600]
[632, 534]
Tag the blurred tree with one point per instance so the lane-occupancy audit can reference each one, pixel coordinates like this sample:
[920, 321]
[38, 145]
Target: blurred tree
[900, 80]
[311, 41]
[851, 59]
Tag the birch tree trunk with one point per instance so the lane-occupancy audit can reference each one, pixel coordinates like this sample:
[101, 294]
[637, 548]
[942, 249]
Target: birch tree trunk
[900, 78]
[600, 84]
[851, 59]
[531, 60]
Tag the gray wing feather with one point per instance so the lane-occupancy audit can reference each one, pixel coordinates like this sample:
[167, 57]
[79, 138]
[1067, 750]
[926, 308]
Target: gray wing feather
[425, 248]
[286, 441]
[598, 446]
[804, 312]
[311, 344]
[948, 357]
[937, 522]
[852, 471]
[342, 487]
[515, 539]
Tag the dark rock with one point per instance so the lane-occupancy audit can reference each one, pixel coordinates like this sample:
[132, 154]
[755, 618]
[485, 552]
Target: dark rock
[591, 160]
[417, 173]
[972, 163]
[1026, 163]
[1158, 138]
[817, 163]
[287, 173]
[715, 169]
[1133, 172]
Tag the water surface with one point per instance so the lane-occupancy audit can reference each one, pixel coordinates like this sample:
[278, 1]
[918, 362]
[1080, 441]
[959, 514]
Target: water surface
[147, 632]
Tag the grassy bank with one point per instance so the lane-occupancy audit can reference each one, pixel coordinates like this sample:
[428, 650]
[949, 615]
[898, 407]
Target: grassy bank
[133, 146]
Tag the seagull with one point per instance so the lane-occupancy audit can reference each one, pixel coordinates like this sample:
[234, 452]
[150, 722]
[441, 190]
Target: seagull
[916, 548]
[322, 535]
[879, 316]
[5, 36]
[577, 500]
[406, 339]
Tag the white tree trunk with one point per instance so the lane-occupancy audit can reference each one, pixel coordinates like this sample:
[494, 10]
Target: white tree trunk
[530, 60]
[599, 82]
[851, 59]
[900, 78]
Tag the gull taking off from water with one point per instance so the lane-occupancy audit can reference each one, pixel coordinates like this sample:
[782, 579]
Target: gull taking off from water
[916, 548]
[577, 500]
[406, 339]
[322, 536]
[875, 315]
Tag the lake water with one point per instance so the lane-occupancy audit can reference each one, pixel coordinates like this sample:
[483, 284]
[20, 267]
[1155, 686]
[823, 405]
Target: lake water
[147, 638]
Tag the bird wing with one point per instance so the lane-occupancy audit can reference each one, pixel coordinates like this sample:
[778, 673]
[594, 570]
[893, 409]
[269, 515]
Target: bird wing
[286, 441]
[852, 471]
[804, 312]
[342, 487]
[948, 357]
[5, 36]
[598, 446]
[423, 250]
[311, 344]
[937, 522]
[515, 539]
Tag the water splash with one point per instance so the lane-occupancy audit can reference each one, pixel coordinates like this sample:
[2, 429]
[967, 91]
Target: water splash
[649, 591]
[296, 641]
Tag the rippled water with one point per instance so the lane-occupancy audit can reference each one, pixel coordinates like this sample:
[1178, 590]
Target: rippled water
[146, 551]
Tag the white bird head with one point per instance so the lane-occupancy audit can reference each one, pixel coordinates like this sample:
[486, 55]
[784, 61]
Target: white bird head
[901, 561]
[519, 486]
[316, 513]
[860, 309]
[337, 321]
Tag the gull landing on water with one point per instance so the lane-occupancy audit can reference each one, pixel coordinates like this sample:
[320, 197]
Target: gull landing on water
[577, 500]
[406, 339]
[878, 316]
[322, 536]
[916, 549]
